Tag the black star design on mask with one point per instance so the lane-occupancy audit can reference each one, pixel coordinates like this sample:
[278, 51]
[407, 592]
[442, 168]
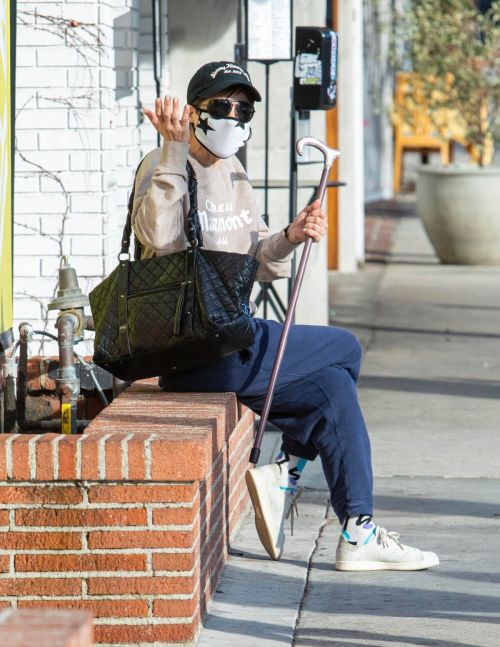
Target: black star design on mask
[241, 125]
[204, 125]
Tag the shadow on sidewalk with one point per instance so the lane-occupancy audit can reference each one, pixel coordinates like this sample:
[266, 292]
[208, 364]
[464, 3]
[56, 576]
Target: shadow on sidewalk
[488, 389]
[274, 633]
[340, 597]
[420, 331]
[419, 505]
[462, 306]
[346, 638]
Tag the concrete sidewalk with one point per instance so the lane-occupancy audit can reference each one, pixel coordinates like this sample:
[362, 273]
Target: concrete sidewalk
[430, 391]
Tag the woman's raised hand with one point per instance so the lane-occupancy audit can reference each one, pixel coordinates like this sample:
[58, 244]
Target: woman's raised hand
[166, 119]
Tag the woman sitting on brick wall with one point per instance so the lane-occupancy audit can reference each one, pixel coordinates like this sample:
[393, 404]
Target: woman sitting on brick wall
[315, 403]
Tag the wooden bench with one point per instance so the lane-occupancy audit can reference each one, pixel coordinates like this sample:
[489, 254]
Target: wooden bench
[413, 130]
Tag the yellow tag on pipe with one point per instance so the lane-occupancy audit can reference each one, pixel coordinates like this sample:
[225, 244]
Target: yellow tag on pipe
[66, 418]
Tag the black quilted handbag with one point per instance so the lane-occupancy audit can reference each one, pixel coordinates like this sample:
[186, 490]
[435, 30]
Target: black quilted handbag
[166, 314]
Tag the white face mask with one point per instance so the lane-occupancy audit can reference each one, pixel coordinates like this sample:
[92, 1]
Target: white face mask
[221, 137]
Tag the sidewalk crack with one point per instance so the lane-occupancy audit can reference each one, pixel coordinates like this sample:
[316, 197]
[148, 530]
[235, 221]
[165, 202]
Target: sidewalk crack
[305, 591]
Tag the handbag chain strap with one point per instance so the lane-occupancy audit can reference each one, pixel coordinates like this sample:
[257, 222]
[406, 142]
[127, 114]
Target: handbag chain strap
[194, 232]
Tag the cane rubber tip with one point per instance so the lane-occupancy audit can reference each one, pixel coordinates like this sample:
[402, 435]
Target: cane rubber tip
[254, 455]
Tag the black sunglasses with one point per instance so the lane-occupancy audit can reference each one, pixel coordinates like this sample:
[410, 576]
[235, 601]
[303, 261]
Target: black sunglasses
[221, 109]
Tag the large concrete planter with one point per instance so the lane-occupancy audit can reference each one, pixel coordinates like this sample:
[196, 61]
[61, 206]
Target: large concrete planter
[460, 210]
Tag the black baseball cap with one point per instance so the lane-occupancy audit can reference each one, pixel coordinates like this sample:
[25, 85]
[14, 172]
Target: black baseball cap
[214, 77]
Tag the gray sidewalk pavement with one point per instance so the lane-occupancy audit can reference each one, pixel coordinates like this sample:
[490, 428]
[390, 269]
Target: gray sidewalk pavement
[430, 391]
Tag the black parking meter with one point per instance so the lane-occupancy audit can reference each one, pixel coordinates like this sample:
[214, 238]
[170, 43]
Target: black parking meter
[315, 71]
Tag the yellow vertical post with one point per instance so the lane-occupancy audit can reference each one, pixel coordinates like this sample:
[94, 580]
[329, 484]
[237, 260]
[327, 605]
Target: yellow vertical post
[332, 141]
[6, 336]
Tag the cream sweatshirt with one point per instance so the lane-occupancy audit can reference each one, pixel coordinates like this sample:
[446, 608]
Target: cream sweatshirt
[226, 206]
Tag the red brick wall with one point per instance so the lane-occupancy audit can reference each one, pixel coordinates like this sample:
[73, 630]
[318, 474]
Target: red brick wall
[130, 520]
[381, 221]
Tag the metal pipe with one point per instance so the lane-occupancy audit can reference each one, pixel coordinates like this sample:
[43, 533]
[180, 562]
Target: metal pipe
[50, 425]
[45, 333]
[66, 325]
[9, 395]
[25, 335]
[101, 393]
[293, 182]
[157, 51]
[89, 366]
[267, 65]
[69, 324]
[68, 384]
[91, 369]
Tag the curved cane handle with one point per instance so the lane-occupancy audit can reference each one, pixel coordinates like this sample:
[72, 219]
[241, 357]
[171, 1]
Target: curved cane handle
[329, 154]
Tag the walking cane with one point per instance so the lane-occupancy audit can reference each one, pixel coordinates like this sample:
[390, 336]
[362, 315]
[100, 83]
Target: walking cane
[330, 155]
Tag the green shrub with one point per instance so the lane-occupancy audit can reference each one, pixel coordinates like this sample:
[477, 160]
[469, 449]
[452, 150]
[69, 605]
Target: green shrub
[455, 51]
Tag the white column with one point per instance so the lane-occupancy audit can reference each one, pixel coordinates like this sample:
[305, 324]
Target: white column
[350, 126]
[378, 95]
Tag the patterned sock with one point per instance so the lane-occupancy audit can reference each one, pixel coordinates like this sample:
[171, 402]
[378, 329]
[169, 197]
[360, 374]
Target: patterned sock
[295, 468]
[360, 529]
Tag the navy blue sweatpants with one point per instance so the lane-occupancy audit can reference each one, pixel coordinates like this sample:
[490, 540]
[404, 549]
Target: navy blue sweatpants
[315, 403]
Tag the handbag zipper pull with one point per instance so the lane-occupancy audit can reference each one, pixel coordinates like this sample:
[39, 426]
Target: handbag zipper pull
[179, 308]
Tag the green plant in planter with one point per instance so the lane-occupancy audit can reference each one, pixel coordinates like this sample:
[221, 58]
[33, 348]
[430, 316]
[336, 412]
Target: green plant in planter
[453, 49]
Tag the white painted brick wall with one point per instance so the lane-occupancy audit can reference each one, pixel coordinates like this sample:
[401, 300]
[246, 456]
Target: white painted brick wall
[21, 268]
[25, 184]
[92, 147]
[41, 78]
[51, 57]
[85, 161]
[41, 119]
[27, 309]
[26, 140]
[83, 181]
[55, 161]
[26, 245]
[40, 203]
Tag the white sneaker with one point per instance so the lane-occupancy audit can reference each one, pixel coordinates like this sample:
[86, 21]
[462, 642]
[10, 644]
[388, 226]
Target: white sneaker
[267, 488]
[383, 552]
